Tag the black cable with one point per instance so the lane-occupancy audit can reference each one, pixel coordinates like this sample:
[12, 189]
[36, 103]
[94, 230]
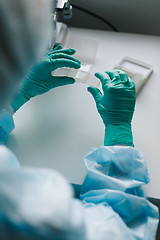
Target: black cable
[96, 16]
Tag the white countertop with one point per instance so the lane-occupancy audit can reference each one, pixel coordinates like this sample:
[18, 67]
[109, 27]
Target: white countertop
[57, 129]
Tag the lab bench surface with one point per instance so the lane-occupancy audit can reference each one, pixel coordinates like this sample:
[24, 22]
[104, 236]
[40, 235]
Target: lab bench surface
[57, 129]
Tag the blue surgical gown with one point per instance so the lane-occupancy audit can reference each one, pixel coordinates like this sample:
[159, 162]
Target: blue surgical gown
[39, 204]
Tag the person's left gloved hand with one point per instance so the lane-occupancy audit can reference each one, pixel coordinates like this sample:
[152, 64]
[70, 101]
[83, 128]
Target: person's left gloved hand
[40, 80]
[6, 125]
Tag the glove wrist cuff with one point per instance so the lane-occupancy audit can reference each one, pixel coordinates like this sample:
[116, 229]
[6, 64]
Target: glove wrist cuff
[6, 125]
[18, 102]
[120, 134]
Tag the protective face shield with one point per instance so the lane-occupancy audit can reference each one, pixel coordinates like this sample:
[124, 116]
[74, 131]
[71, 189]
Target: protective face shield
[25, 31]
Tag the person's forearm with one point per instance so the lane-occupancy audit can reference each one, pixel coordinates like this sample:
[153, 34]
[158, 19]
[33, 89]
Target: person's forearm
[18, 102]
[6, 125]
[118, 135]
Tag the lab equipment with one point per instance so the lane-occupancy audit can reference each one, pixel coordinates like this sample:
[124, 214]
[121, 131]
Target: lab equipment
[39, 79]
[40, 203]
[81, 75]
[60, 29]
[95, 15]
[137, 70]
[116, 106]
[65, 7]
[25, 32]
[86, 49]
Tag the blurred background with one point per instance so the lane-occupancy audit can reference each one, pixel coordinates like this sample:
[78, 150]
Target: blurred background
[133, 16]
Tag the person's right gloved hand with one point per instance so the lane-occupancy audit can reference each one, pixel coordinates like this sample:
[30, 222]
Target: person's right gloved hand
[116, 106]
[39, 80]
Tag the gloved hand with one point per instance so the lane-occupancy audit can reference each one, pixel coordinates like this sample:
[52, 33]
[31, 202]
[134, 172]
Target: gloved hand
[6, 125]
[40, 80]
[116, 106]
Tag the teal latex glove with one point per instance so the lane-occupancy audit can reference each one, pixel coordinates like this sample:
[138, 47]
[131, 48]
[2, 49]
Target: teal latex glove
[116, 106]
[40, 80]
[6, 125]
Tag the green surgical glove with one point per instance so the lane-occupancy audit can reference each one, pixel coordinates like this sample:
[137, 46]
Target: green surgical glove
[40, 80]
[116, 106]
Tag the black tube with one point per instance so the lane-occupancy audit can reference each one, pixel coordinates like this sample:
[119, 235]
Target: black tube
[96, 16]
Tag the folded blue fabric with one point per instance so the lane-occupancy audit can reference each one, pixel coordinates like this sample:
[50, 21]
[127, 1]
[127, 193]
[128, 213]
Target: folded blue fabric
[114, 178]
